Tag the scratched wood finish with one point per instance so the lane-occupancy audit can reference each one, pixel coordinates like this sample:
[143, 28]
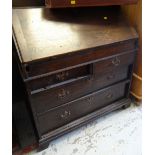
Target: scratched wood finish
[68, 55]
[38, 30]
[82, 3]
[65, 92]
[80, 72]
[79, 108]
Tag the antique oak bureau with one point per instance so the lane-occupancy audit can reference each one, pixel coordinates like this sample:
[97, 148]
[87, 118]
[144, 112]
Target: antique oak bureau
[76, 65]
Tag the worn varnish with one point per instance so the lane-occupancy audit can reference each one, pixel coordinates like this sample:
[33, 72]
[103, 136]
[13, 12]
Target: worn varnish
[38, 31]
[76, 65]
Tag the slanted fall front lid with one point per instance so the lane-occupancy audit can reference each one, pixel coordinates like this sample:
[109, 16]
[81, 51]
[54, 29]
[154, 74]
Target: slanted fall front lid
[41, 32]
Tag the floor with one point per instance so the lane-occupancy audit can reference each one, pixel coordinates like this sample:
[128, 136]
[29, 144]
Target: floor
[118, 133]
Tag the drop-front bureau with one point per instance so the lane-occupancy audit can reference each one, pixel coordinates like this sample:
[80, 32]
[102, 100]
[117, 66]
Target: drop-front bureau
[76, 65]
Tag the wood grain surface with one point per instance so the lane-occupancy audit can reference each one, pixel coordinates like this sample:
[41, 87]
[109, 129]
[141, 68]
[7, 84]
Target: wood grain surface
[42, 33]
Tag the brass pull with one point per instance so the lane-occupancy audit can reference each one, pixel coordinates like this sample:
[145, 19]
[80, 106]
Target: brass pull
[63, 93]
[90, 78]
[62, 76]
[65, 115]
[112, 76]
[90, 99]
[116, 61]
[110, 95]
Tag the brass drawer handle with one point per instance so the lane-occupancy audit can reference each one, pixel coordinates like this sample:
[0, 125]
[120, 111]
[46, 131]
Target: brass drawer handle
[116, 61]
[63, 93]
[65, 115]
[91, 78]
[109, 96]
[62, 76]
[90, 99]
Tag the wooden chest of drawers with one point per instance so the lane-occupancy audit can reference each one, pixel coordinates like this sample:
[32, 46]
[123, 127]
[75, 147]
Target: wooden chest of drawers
[76, 65]
[82, 3]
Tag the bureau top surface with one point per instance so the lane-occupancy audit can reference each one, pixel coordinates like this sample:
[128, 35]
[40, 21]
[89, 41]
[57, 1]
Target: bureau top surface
[41, 33]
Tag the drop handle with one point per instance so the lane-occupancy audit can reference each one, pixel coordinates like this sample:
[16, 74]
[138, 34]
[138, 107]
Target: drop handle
[62, 76]
[65, 115]
[109, 96]
[63, 93]
[116, 61]
[90, 100]
[90, 78]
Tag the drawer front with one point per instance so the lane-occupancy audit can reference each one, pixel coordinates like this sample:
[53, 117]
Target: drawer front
[53, 97]
[103, 66]
[73, 110]
[59, 77]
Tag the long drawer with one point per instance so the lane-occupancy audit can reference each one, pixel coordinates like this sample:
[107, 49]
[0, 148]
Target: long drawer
[66, 113]
[98, 67]
[45, 100]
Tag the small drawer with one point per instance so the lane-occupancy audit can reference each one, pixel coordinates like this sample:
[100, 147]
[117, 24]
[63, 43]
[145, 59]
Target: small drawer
[114, 62]
[64, 114]
[60, 77]
[47, 99]
[110, 77]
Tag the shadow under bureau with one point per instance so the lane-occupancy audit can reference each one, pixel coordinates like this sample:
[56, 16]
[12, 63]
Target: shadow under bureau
[76, 65]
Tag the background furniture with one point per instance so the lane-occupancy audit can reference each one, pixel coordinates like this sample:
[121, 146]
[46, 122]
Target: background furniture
[83, 3]
[134, 15]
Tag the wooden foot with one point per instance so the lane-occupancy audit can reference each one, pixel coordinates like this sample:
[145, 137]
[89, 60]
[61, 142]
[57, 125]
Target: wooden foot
[42, 147]
[126, 106]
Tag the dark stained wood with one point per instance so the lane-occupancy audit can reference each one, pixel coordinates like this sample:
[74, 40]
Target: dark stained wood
[81, 3]
[43, 33]
[66, 58]
[68, 92]
[86, 70]
[80, 107]
[55, 79]
[45, 140]
[60, 63]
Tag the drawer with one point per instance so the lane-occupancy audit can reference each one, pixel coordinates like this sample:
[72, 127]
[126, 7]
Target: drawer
[50, 98]
[110, 77]
[66, 113]
[114, 62]
[45, 100]
[58, 78]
